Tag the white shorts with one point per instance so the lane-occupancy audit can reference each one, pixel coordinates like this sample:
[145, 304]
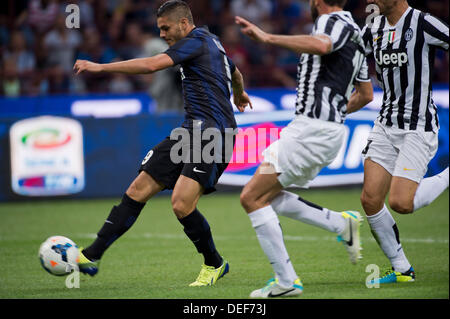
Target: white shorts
[305, 146]
[402, 153]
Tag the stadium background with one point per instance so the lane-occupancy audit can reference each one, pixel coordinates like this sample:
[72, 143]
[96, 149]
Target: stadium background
[122, 116]
[97, 129]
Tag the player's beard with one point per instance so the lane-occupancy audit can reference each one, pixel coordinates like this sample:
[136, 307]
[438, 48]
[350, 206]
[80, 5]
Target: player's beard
[314, 11]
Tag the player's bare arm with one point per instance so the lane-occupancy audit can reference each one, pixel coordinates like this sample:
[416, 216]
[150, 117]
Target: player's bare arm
[362, 96]
[311, 44]
[134, 66]
[240, 97]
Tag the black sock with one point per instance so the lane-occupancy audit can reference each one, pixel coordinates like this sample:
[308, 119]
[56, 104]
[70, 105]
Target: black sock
[121, 218]
[197, 229]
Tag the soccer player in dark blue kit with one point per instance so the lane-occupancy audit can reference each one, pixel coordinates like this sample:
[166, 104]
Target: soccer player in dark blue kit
[208, 77]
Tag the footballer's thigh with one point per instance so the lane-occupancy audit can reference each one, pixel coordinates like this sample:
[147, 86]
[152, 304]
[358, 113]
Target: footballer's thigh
[377, 181]
[415, 152]
[185, 196]
[262, 188]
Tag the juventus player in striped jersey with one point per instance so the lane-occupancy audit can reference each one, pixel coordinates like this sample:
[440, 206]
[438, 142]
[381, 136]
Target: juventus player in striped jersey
[404, 138]
[332, 64]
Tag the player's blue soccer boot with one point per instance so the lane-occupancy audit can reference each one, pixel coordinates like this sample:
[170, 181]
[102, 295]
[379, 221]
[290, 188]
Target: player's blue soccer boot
[391, 277]
[87, 266]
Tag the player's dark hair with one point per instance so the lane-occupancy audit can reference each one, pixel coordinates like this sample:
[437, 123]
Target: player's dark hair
[178, 7]
[338, 3]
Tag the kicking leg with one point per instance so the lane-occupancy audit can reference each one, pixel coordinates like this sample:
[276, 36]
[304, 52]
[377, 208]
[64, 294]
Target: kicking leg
[292, 206]
[120, 219]
[407, 196]
[345, 224]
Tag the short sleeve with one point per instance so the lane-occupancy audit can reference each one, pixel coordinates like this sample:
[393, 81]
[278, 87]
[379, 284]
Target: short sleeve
[436, 32]
[367, 39]
[185, 49]
[363, 75]
[232, 65]
[337, 30]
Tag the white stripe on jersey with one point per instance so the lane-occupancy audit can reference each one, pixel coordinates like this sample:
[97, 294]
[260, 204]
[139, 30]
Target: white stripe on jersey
[325, 82]
[404, 56]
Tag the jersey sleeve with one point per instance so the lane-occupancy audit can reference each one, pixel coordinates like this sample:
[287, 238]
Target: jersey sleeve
[185, 49]
[367, 39]
[336, 29]
[436, 32]
[232, 65]
[363, 75]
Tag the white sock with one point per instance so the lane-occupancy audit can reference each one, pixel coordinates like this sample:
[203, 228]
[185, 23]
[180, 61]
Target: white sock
[430, 188]
[270, 236]
[385, 231]
[290, 205]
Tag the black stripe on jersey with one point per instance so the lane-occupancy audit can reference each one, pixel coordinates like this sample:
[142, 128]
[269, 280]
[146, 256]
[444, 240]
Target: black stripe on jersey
[332, 115]
[418, 49]
[403, 74]
[345, 32]
[367, 37]
[379, 44]
[343, 38]
[434, 32]
[306, 83]
[428, 116]
[330, 24]
[391, 84]
[340, 105]
[318, 107]
[436, 118]
[299, 72]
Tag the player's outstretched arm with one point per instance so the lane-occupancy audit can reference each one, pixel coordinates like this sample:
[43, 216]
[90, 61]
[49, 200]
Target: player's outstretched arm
[240, 97]
[362, 96]
[134, 66]
[311, 44]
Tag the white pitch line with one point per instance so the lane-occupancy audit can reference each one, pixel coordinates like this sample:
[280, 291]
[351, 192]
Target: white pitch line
[286, 238]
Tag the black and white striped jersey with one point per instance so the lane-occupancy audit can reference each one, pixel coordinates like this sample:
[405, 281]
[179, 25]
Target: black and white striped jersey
[325, 83]
[404, 56]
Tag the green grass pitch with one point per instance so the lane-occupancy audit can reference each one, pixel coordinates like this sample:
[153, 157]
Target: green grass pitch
[154, 259]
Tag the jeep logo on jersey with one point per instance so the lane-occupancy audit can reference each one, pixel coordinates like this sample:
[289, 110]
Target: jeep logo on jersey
[391, 58]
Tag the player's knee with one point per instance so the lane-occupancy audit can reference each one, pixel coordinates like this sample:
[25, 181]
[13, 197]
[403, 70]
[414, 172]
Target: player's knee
[371, 203]
[400, 205]
[137, 192]
[181, 207]
[247, 199]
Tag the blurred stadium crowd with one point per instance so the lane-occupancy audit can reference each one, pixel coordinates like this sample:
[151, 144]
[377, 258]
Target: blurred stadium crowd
[37, 50]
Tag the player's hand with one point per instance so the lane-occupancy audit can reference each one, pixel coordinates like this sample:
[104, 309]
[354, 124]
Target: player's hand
[251, 30]
[242, 101]
[83, 65]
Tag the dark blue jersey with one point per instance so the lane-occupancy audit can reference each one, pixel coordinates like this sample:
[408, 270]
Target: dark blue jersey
[206, 75]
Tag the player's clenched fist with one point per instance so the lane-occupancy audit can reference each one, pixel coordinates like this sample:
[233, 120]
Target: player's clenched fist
[83, 65]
